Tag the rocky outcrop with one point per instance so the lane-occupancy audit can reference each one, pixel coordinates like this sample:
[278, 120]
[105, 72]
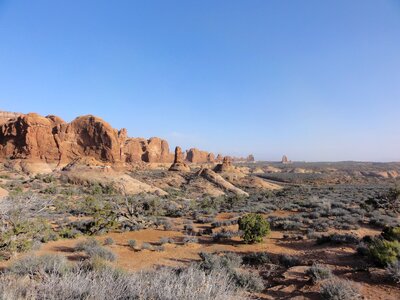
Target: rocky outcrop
[106, 177]
[52, 140]
[225, 166]
[29, 136]
[220, 181]
[250, 158]
[5, 116]
[179, 164]
[157, 150]
[194, 155]
[285, 160]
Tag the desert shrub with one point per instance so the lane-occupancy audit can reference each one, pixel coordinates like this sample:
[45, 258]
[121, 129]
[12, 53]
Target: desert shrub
[132, 244]
[289, 261]
[254, 228]
[18, 233]
[384, 252]
[147, 246]
[159, 248]
[93, 249]
[35, 265]
[210, 262]
[393, 271]
[52, 190]
[338, 289]
[188, 228]
[68, 232]
[189, 239]
[166, 240]
[224, 235]
[391, 233]
[338, 239]
[256, 258]
[229, 263]
[165, 223]
[108, 284]
[205, 220]
[318, 272]
[320, 225]
[249, 281]
[108, 241]
[230, 222]
[362, 249]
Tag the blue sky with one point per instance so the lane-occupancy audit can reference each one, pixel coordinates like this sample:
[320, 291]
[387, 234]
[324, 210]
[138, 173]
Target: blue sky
[316, 80]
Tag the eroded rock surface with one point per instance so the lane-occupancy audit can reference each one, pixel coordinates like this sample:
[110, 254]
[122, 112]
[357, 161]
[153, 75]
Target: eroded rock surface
[179, 164]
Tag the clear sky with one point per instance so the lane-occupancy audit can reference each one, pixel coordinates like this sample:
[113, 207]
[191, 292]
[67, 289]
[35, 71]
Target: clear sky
[316, 80]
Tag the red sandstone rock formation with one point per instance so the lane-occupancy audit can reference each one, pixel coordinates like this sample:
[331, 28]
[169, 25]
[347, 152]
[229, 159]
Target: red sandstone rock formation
[179, 164]
[5, 116]
[194, 155]
[285, 160]
[226, 165]
[50, 139]
[250, 158]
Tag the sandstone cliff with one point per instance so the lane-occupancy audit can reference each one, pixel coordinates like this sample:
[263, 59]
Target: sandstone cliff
[52, 140]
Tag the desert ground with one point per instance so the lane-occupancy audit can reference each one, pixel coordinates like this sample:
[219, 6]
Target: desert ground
[324, 219]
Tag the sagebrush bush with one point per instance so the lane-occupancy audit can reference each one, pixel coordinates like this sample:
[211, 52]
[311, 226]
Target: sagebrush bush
[249, 281]
[318, 272]
[93, 249]
[132, 244]
[147, 246]
[108, 241]
[338, 239]
[189, 239]
[254, 228]
[35, 265]
[256, 258]
[393, 271]
[338, 289]
[289, 261]
[109, 284]
[210, 261]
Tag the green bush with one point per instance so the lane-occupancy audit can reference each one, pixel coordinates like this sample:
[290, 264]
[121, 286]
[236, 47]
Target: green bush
[391, 233]
[384, 252]
[254, 228]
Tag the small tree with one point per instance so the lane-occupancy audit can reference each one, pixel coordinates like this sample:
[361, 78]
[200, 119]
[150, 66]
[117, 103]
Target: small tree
[254, 228]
